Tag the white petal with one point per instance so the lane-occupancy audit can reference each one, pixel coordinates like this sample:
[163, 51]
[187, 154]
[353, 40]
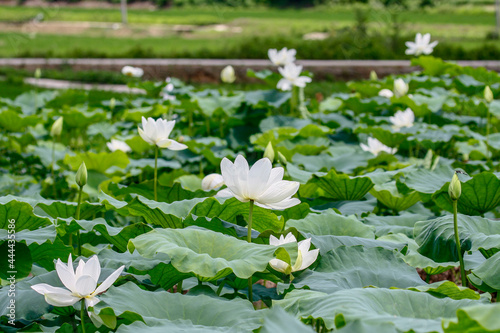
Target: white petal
[258, 177]
[290, 238]
[284, 85]
[308, 258]
[273, 240]
[54, 295]
[225, 193]
[93, 268]
[109, 281]
[279, 265]
[66, 275]
[279, 191]
[287, 203]
[85, 285]
[174, 145]
[145, 137]
[91, 301]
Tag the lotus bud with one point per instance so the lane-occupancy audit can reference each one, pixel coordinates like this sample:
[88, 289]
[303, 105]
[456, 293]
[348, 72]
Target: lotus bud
[212, 182]
[282, 158]
[455, 188]
[112, 103]
[400, 88]
[38, 73]
[227, 75]
[81, 175]
[488, 94]
[373, 76]
[269, 152]
[56, 128]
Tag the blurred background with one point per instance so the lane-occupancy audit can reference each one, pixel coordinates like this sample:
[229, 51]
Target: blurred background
[346, 30]
[229, 29]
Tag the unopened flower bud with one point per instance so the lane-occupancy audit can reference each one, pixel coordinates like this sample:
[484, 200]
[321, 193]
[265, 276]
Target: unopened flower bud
[81, 175]
[112, 103]
[400, 88]
[56, 128]
[38, 73]
[269, 152]
[227, 75]
[488, 94]
[455, 188]
[373, 76]
[212, 182]
[282, 158]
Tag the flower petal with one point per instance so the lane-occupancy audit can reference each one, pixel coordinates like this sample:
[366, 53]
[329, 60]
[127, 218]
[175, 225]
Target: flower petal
[55, 296]
[109, 281]
[85, 285]
[258, 177]
[279, 265]
[66, 275]
[93, 268]
[279, 191]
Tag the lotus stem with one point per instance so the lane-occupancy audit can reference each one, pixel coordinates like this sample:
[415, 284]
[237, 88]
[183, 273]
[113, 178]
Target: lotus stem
[78, 207]
[487, 134]
[156, 173]
[249, 239]
[179, 287]
[82, 315]
[52, 167]
[457, 240]
[293, 101]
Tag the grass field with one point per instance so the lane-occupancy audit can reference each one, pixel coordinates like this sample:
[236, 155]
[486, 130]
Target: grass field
[66, 31]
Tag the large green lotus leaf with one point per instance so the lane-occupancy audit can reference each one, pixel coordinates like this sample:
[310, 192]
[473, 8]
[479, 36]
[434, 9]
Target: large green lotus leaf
[208, 254]
[237, 314]
[403, 223]
[30, 101]
[481, 318]
[14, 122]
[448, 289]
[407, 310]
[264, 98]
[415, 259]
[283, 121]
[389, 196]
[166, 215]
[178, 326]
[118, 236]
[67, 209]
[228, 104]
[262, 220]
[279, 321]
[21, 213]
[436, 237]
[99, 162]
[342, 159]
[431, 65]
[349, 267]
[426, 181]
[326, 243]
[342, 187]
[489, 272]
[38, 236]
[330, 223]
[358, 326]
[479, 195]
[75, 118]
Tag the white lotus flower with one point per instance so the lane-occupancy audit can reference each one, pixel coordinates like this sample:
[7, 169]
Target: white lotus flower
[375, 147]
[118, 145]
[282, 57]
[262, 183]
[227, 74]
[81, 283]
[400, 88]
[132, 71]
[157, 132]
[403, 119]
[291, 77]
[305, 258]
[386, 93]
[212, 182]
[422, 45]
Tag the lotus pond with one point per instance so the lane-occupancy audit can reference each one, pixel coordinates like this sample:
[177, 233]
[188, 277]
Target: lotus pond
[348, 230]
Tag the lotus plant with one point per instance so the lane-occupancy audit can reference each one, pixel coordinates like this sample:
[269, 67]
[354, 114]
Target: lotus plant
[132, 71]
[81, 286]
[402, 119]
[115, 145]
[156, 132]
[454, 191]
[81, 181]
[422, 45]
[375, 147]
[305, 257]
[282, 57]
[261, 185]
